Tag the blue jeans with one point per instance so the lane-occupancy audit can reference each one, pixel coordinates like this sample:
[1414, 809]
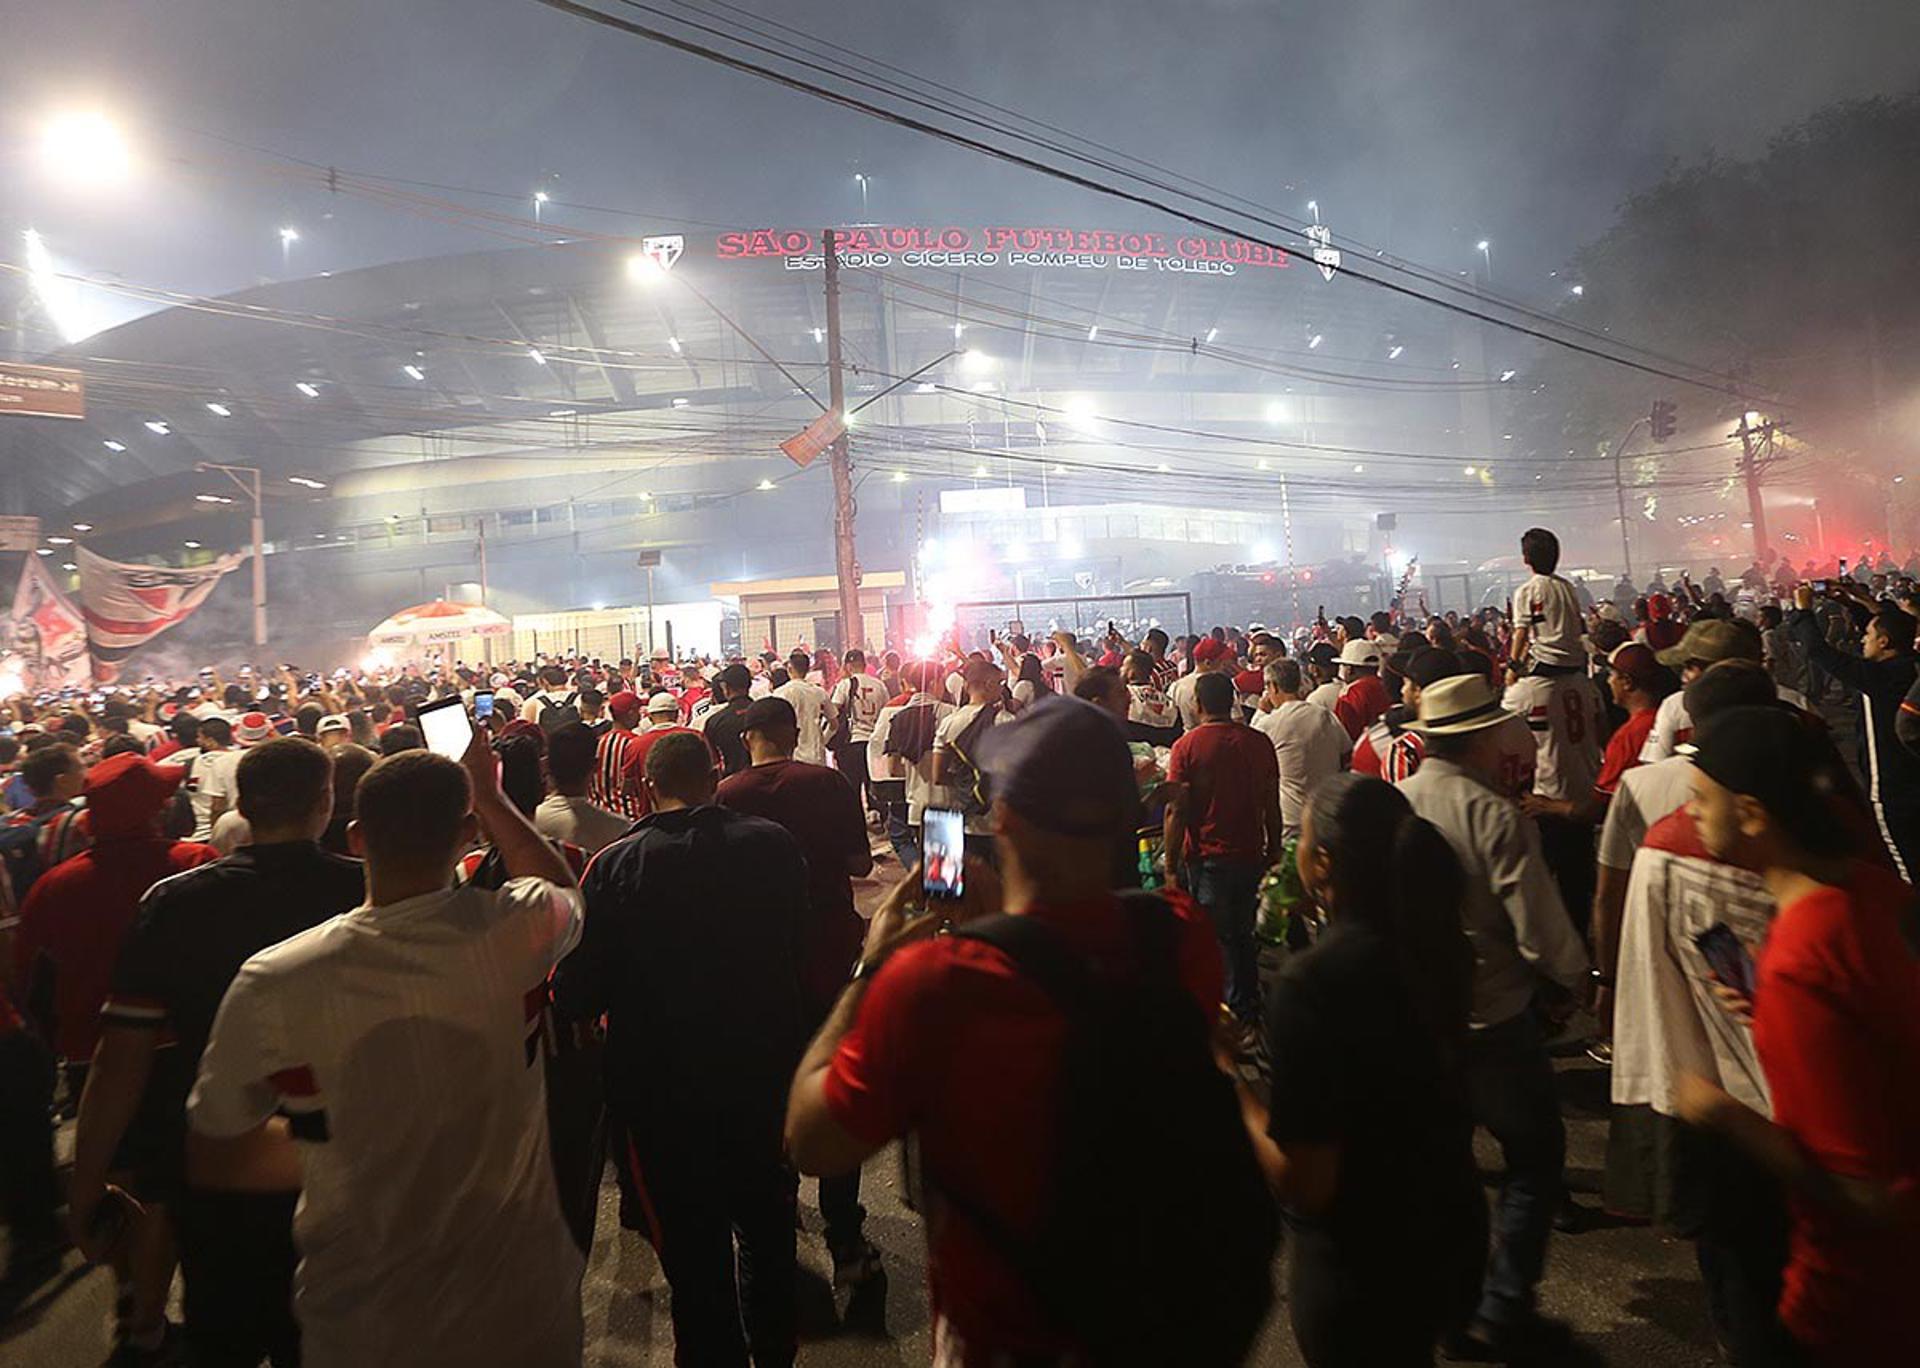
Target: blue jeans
[1229, 891]
[1510, 1088]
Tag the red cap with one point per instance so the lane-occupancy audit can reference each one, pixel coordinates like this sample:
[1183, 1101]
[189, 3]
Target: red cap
[1249, 681]
[1207, 650]
[623, 703]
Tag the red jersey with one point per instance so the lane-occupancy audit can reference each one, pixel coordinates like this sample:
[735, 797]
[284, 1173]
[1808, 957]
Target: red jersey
[1837, 1029]
[1623, 749]
[1232, 777]
[77, 915]
[1363, 702]
[995, 1054]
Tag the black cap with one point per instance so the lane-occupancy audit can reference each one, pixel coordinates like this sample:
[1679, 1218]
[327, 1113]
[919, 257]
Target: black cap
[1762, 753]
[1064, 766]
[769, 714]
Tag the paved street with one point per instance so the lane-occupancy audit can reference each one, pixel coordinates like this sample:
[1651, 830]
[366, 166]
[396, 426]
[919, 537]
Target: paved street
[1631, 1296]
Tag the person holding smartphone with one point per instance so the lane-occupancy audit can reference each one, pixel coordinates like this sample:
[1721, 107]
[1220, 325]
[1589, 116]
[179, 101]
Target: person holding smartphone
[1837, 1034]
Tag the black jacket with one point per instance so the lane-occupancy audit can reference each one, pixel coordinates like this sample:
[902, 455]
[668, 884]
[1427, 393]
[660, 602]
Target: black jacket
[692, 949]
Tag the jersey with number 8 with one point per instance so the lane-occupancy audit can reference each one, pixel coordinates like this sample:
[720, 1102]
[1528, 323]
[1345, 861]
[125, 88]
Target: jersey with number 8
[1568, 720]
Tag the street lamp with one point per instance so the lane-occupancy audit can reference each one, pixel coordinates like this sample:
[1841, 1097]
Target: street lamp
[1485, 249]
[540, 197]
[288, 236]
[85, 148]
[248, 478]
[861, 177]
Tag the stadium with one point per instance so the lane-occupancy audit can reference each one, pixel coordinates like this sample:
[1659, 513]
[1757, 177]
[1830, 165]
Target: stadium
[1036, 413]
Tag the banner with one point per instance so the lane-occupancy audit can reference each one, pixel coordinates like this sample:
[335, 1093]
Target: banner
[126, 606]
[43, 643]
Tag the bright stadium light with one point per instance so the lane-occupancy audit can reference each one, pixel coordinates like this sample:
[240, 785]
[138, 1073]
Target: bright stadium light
[156, 427]
[85, 149]
[306, 482]
[83, 527]
[219, 410]
[1393, 352]
[312, 391]
[1314, 341]
[112, 445]
[413, 372]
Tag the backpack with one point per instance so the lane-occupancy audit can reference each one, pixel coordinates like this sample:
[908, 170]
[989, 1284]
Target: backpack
[1156, 1202]
[554, 716]
[962, 777]
[20, 856]
[910, 734]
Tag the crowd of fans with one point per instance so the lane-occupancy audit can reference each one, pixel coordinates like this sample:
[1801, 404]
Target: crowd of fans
[1257, 926]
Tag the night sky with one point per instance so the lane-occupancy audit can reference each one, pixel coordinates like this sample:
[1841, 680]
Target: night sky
[1419, 127]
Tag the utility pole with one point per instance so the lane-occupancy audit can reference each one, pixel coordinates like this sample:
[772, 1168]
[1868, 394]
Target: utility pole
[1620, 495]
[251, 487]
[846, 564]
[1756, 454]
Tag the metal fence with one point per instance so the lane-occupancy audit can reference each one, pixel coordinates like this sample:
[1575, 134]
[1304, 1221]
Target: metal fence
[1131, 614]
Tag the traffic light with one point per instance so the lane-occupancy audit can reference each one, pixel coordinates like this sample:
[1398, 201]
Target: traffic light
[1660, 421]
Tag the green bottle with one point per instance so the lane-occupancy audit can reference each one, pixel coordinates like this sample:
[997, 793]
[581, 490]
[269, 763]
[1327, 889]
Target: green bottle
[1149, 871]
[1280, 894]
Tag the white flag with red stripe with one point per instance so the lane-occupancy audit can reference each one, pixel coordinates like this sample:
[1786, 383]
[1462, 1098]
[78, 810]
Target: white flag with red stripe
[126, 606]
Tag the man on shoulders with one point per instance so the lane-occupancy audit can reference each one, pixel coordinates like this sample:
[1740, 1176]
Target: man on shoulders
[390, 1038]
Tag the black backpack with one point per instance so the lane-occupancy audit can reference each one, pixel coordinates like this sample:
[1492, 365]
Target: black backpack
[963, 778]
[554, 716]
[1156, 1204]
[910, 733]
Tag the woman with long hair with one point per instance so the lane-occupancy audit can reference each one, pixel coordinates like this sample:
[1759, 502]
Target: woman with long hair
[1367, 1139]
[1030, 684]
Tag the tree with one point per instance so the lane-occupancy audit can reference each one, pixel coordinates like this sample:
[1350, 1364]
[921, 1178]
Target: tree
[1795, 271]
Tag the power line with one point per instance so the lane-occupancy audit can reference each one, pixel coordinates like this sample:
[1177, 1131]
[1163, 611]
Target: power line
[1071, 177]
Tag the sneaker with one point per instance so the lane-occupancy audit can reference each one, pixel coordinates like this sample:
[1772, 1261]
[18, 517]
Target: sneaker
[1601, 1053]
[855, 1266]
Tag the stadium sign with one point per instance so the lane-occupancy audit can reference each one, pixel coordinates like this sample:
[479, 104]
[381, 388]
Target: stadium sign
[42, 391]
[1086, 249]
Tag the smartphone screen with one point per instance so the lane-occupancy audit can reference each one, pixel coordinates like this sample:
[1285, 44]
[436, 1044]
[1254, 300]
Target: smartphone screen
[483, 705]
[1727, 957]
[943, 852]
[446, 727]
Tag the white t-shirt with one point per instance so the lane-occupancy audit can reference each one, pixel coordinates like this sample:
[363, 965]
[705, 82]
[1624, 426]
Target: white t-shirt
[866, 696]
[1567, 718]
[1646, 794]
[1310, 745]
[403, 1044]
[1150, 707]
[809, 703]
[881, 765]
[576, 819]
[1550, 611]
[1326, 696]
[212, 776]
[950, 728]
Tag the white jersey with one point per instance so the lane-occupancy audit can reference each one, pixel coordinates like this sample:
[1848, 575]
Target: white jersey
[1182, 696]
[1548, 608]
[403, 1044]
[860, 697]
[809, 703]
[1646, 794]
[212, 775]
[1326, 696]
[1567, 718]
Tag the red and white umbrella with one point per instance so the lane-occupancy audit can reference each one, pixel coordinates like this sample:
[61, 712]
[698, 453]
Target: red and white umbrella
[438, 624]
